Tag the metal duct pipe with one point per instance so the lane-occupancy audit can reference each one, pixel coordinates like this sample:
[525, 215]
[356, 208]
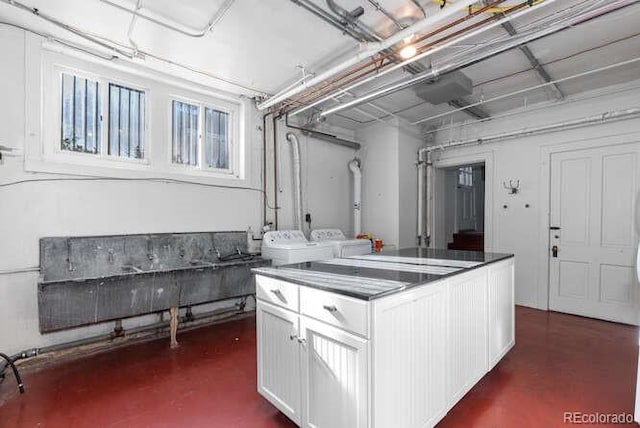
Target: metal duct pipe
[329, 19]
[589, 120]
[354, 167]
[369, 50]
[297, 180]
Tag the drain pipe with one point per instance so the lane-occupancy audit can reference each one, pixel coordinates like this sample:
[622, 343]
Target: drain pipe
[425, 183]
[200, 319]
[297, 180]
[354, 167]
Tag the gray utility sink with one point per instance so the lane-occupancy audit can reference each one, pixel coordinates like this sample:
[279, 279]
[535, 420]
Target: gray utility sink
[87, 280]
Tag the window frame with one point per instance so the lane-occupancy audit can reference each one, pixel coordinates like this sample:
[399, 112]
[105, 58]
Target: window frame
[107, 118]
[234, 151]
[104, 114]
[47, 61]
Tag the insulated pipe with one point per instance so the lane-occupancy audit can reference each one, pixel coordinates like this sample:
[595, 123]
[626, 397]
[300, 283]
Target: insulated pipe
[369, 50]
[589, 120]
[425, 191]
[420, 198]
[354, 167]
[297, 180]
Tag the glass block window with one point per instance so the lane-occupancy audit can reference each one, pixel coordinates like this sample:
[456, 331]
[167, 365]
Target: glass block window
[81, 117]
[126, 122]
[216, 138]
[185, 133]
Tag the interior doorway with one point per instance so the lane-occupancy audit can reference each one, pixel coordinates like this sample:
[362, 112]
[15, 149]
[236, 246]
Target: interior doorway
[464, 203]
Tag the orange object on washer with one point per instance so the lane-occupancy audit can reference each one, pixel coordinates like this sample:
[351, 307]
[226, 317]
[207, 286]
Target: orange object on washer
[378, 245]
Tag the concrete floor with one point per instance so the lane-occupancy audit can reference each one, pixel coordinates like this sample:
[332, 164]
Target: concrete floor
[560, 363]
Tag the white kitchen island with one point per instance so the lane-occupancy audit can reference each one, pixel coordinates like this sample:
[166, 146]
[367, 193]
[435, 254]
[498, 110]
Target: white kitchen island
[381, 341]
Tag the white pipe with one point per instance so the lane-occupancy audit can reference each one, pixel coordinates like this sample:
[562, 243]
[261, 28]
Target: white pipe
[369, 50]
[425, 54]
[429, 200]
[354, 167]
[519, 41]
[297, 180]
[162, 21]
[530, 88]
[589, 120]
[420, 199]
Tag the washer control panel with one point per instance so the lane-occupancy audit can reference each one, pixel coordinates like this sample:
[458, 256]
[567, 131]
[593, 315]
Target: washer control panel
[275, 238]
[327, 235]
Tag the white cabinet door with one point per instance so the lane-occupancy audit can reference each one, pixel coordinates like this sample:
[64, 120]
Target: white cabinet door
[468, 331]
[335, 376]
[279, 359]
[501, 311]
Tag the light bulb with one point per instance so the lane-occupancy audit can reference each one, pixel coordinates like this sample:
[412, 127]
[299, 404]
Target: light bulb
[408, 51]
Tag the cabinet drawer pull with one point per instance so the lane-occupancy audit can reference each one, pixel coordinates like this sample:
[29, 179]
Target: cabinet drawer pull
[331, 308]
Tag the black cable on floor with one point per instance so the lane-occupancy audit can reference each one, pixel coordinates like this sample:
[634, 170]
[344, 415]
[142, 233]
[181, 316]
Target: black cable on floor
[15, 371]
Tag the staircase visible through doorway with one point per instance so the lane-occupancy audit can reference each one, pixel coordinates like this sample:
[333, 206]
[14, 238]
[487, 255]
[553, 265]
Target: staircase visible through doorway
[470, 241]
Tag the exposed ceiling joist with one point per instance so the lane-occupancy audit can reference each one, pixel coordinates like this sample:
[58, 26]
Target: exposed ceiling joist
[535, 64]
[473, 111]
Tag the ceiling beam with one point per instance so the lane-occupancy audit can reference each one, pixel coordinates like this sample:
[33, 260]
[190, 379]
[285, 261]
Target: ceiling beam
[535, 64]
[475, 112]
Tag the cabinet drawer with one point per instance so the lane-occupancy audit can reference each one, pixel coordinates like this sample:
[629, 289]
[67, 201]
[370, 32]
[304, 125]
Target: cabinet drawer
[342, 311]
[277, 292]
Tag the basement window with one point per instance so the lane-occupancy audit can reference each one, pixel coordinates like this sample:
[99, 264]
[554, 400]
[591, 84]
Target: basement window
[81, 116]
[216, 138]
[201, 136]
[126, 122]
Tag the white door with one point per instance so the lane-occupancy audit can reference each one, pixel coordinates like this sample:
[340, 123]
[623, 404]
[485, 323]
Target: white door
[334, 377]
[279, 358]
[593, 232]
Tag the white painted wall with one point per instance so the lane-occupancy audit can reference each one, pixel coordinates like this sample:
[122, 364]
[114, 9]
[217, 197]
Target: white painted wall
[33, 210]
[390, 182]
[520, 230]
[327, 184]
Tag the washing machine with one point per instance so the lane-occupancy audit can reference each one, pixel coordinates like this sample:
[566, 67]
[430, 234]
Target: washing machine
[342, 247]
[290, 246]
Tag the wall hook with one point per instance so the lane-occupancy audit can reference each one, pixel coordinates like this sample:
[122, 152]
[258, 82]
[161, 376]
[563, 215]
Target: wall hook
[512, 188]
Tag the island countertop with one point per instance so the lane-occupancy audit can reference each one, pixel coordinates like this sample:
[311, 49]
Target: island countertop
[372, 276]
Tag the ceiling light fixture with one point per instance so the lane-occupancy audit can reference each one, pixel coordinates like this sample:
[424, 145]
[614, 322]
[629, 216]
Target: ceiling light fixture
[408, 51]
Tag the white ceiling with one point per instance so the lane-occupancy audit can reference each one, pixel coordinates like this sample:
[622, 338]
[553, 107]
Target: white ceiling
[261, 44]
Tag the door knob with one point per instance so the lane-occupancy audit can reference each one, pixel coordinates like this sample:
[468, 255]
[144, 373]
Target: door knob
[554, 251]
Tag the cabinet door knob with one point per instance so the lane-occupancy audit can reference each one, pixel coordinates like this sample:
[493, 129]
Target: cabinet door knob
[293, 337]
[302, 340]
[331, 308]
